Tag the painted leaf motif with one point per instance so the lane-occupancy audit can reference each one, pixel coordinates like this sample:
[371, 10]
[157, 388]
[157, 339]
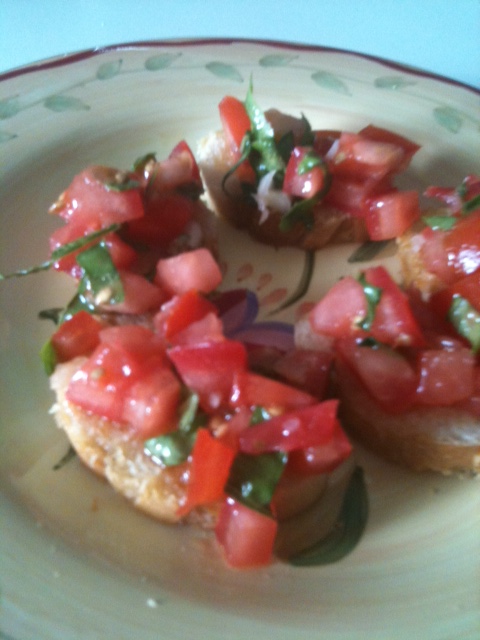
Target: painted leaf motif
[392, 82]
[276, 60]
[368, 250]
[5, 136]
[9, 107]
[161, 61]
[329, 81]
[65, 103]
[226, 71]
[109, 70]
[448, 118]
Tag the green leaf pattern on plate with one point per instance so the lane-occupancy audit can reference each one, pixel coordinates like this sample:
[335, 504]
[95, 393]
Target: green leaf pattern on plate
[392, 82]
[9, 107]
[330, 81]
[226, 71]
[161, 61]
[60, 102]
[109, 70]
[448, 118]
[276, 60]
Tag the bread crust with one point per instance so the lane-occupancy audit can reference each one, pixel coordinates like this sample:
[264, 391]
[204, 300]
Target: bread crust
[440, 439]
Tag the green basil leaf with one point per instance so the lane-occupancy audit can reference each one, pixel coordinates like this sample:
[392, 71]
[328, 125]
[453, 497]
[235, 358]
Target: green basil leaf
[53, 314]
[48, 357]
[303, 284]
[368, 250]
[347, 531]
[466, 320]
[101, 277]
[301, 212]
[373, 295]
[127, 184]
[140, 163]
[253, 479]
[440, 223]
[471, 205]
[71, 453]
[79, 243]
[259, 414]
[309, 162]
[191, 417]
[170, 449]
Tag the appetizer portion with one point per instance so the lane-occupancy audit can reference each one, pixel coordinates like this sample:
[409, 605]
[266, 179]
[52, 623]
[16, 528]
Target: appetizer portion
[288, 185]
[162, 383]
[407, 370]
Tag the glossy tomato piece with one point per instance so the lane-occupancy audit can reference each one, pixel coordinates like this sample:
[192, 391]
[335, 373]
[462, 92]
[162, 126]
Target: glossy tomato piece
[339, 312]
[254, 390]
[350, 194]
[235, 124]
[310, 426]
[323, 458]
[208, 473]
[166, 216]
[305, 369]
[177, 172]
[386, 374]
[140, 295]
[181, 311]
[380, 134]
[467, 287]
[304, 183]
[246, 536]
[102, 195]
[209, 369]
[195, 269]
[140, 342]
[447, 376]
[389, 215]
[77, 336]
[207, 329]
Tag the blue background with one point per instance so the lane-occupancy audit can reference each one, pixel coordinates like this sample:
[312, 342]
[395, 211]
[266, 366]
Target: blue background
[441, 36]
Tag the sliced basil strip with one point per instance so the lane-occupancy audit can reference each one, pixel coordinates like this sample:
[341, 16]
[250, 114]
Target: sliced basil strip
[373, 295]
[347, 531]
[302, 211]
[440, 223]
[101, 277]
[466, 320]
[368, 250]
[253, 479]
[471, 205]
[48, 357]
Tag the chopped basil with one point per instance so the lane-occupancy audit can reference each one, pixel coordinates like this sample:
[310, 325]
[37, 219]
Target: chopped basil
[69, 455]
[101, 279]
[347, 531]
[373, 295]
[301, 211]
[48, 357]
[309, 162]
[466, 320]
[254, 478]
[141, 163]
[173, 448]
[368, 250]
[471, 205]
[126, 184]
[440, 223]
[260, 414]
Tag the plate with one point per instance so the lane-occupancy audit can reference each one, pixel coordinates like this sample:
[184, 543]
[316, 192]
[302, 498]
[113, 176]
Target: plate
[77, 561]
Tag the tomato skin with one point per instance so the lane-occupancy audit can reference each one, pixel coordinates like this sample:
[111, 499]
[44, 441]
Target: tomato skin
[322, 458]
[446, 376]
[305, 369]
[311, 426]
[89, 200]
[196, 269]
[389, 215]
[181, 311]
[467, 287]
[254, 390]
[178, 171]
[140, 295]
[206, 330]
[350, 194]
[235, 124]
[77, 336]
[209, 369]
[337, 314]
[247, 537]
[388, 377]
[166, 216]
[303, 185]
[379, 134]
[208, 473]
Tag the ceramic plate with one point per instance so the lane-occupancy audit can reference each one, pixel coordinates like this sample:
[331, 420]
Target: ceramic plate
[76, 561]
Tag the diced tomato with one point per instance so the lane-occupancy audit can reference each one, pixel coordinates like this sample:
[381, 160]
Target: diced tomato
[254, 390]
[150, 404]
[338, 313]
[446, 376]
[358, 157]
[323, 140]
[207, 329]
[453, 254]
[394, 322]
[388, 377]
[304, 184]
[140, 295]
[182, 310]
[322, 458]
[208, 473]
[137, 340]
[389, 215]
[236, 123]
[246, 536]
[195, 269]
[311, 426]
[95, 196]
[78, 336]
[178, 171]
[350, 194]
[209, 369]
[306, 369]
[379, 134]
[166, 216]
[467, 287]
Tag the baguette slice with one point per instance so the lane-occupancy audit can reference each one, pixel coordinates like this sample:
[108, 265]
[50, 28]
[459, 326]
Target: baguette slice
[330, 225]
